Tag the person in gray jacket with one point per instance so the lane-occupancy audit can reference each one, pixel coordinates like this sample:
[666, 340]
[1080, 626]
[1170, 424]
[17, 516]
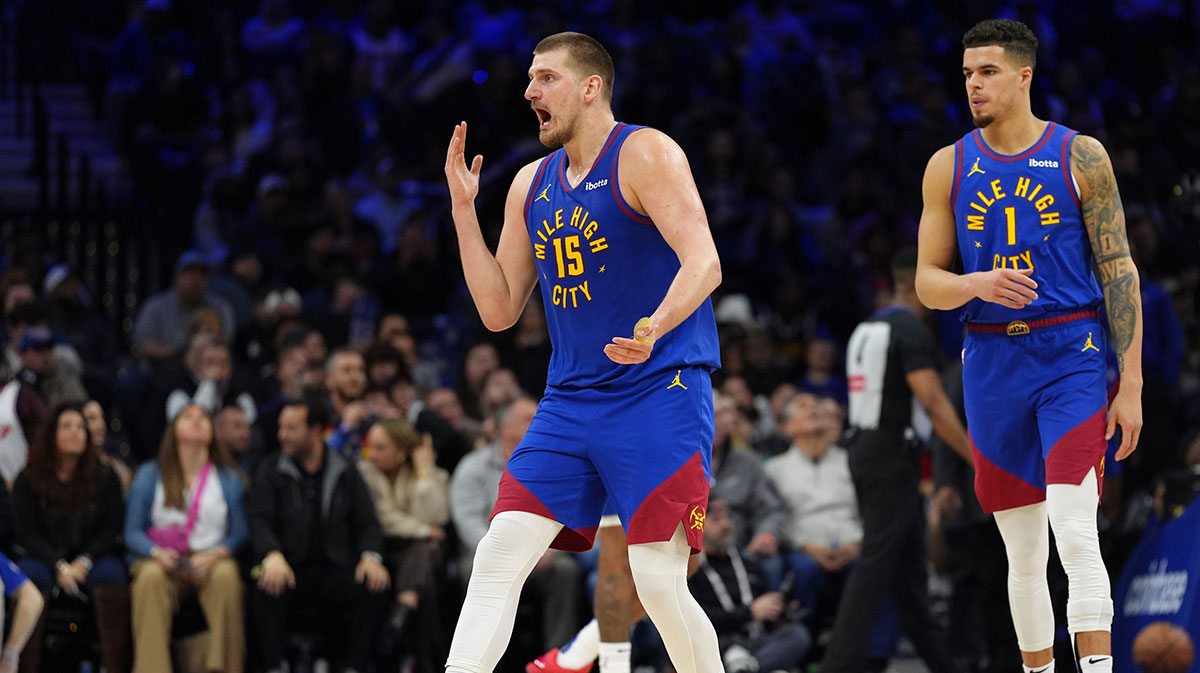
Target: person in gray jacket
[474, 487]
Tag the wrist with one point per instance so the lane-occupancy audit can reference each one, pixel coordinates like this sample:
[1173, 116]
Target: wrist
[85, 561]
[9, 654]
[373, 555]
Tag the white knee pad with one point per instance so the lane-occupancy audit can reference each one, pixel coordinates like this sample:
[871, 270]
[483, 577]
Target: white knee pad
[1072, 511]
[660, 574]
[1027, 544]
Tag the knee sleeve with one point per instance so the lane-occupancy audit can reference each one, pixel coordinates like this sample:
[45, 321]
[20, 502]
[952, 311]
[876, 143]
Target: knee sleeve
[1072, 511]
[1027, 545]
[660, 575]
[503, 560]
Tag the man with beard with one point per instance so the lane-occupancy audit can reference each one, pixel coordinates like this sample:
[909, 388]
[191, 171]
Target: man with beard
[612, 226]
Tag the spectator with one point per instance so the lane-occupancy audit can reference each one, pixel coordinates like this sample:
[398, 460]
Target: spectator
[479, 361]
[106, 445]
[71, 314]
[235, 437]
[185, 522]
[821, 376]
[753, 628]
[319, 542]
[384, 363]
[68, 511]
[738, 479]
[22, 413]
[161, 325]
[412, 500]
[823, 529]
[350, 417]
[52, 371]
[474, 487]
[29, 602]
[213, 384]
[444, 402]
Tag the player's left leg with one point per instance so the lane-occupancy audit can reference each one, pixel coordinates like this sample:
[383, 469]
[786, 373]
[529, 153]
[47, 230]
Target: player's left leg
[660, 575]
[1072, 510]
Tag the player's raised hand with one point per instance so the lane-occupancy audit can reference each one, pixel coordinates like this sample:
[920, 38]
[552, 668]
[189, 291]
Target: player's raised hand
[463, 181]
[1008, 287]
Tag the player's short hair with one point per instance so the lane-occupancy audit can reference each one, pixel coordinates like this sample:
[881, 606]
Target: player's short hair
[1018, 41]
[586, 57]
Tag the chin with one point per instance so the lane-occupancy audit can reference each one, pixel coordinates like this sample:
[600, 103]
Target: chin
[983, 120]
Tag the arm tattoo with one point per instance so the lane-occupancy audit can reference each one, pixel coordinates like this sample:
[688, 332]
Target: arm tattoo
[1104, 219]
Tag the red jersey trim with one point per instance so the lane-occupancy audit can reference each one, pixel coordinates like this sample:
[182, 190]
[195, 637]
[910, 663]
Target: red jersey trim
[612, 135]
[958, 159]
[533, 185]
[1066, 166]
[978, 135]
[616, 189]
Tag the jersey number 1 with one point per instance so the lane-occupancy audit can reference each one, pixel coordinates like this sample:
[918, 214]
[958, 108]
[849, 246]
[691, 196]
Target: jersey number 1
[1010, 213]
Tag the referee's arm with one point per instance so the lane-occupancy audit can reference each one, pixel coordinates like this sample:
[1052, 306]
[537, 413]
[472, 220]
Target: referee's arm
[927, 388]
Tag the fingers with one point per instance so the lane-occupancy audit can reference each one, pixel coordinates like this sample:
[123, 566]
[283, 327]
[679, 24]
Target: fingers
[476, 165]
[626, 351]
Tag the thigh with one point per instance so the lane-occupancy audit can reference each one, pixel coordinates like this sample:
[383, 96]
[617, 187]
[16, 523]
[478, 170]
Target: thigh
[653, 453]
[107, 571]
[1001, 421]
[551, 474]
[1072, 404]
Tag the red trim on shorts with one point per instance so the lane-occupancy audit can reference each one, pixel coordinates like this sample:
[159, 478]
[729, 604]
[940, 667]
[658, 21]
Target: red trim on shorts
[978, 135]
[998, 489]
[682, 497]
[1032, 324]
[514, 497]
[1078, 451]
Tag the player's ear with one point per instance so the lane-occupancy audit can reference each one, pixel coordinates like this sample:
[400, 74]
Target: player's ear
[593, 88]
[1026, 75]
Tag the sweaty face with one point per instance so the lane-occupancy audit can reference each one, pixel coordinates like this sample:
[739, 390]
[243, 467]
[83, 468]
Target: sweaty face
[556, 96]
[993, 83]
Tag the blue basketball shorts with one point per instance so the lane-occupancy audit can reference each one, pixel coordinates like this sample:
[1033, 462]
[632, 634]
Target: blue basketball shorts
[646, 451]
[1037, 405]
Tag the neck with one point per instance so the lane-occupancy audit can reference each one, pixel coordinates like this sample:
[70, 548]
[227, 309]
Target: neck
[811, 445]
[65, 467]
[585, 147]
[192, 458]
[1014, 134]
[315, 457]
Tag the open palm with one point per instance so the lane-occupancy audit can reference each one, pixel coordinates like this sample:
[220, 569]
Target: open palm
[463, 181]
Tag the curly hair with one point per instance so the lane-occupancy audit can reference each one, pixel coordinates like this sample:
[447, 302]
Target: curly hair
[1016, 38]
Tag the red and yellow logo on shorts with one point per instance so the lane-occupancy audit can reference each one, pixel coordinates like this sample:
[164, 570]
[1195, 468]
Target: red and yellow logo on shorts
[697, 518]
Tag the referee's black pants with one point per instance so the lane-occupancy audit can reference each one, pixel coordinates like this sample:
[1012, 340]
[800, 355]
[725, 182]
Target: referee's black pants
[886, 472]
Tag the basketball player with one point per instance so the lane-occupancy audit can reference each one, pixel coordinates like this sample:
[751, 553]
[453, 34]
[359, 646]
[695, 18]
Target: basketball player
[1033, 209]
[612, 228]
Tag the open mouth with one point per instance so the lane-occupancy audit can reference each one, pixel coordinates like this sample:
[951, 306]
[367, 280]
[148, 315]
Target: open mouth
[543, 117]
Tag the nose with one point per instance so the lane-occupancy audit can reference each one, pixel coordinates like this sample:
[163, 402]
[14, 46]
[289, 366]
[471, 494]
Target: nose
[531, 91]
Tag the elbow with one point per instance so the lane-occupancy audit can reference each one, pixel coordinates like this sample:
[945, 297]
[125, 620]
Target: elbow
[497, 322]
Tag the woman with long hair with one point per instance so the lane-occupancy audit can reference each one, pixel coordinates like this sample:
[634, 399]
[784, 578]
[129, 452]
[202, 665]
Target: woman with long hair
[185, 521]
[68, 510]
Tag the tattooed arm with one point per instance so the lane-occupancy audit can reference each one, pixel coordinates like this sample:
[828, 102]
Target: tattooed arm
[1104, 218]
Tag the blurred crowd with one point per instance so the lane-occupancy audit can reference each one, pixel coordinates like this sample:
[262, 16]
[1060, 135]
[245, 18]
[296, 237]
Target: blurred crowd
[317, 346]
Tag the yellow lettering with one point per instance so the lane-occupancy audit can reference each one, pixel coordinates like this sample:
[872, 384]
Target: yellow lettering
[997, 262]
[575, 216]
[999, 194]
[975, 222]
[568, 297]
[1014, 259]
[1028, 257]
[978, 207]
[542, 235]
[583, 288]
[599, 244]
[546, 227]
[590, 229]
[1035, 191]
[986, 201]
[1049, 218]
[1045, 202]
[558, 221]
[574, 302]
[1022, 187]
[539, 250]
[556, 295]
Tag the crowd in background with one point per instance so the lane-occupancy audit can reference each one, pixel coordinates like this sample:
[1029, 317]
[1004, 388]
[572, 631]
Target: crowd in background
[288, 156]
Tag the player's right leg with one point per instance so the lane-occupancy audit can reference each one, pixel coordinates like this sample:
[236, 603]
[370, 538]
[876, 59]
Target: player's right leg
[505, 557]
[1026, 534]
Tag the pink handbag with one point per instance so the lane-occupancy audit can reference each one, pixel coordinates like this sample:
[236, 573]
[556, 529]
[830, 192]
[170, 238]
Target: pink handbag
[175, 536]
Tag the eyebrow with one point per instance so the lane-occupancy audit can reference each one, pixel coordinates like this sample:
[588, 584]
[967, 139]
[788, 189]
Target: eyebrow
[984, 67]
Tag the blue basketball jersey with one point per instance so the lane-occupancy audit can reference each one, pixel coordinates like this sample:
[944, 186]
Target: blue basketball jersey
[601, 266]
[1023, 212]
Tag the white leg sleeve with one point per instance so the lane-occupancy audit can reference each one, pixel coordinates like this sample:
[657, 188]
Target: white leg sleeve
[1027, 544]
[506, 555]
[1073, 517]
[660, 575]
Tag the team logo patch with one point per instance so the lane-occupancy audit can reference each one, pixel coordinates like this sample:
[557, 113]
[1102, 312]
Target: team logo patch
[1088, 344]
[1017, 327]
[543, 194]
[677, 382]
[975, 168]
[697, 517]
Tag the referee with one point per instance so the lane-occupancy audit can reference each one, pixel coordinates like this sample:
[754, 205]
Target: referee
[891, 362]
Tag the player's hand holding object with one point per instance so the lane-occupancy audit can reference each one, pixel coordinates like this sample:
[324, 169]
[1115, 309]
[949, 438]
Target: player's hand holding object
[624, 351]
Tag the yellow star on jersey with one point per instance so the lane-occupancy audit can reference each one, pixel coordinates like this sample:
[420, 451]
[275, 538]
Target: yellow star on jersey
[601, 269]
[978, 244]
[1046, 237]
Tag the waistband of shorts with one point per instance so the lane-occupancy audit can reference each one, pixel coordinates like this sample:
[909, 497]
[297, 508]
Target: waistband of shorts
[1020, 327]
